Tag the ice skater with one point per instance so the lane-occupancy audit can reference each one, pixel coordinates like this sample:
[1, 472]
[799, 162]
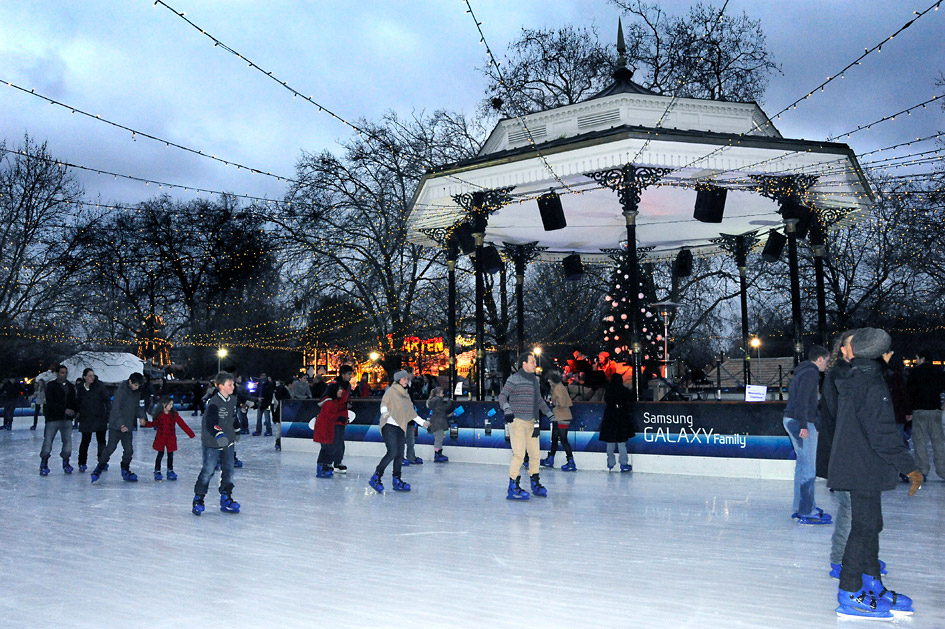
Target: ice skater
[397, 411]
[218, 435]
[330, 425]
[59, 410]
[866, 457]
[126, 406]
[166, 422]
[801, 420]
[93, 401]
[440, 407]
[617, 425]
[521, 402]
[561, 402]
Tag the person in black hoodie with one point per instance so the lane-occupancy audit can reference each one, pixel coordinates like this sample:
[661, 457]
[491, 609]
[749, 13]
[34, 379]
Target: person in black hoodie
[865, 459]
[801, 420]
[59, 410]
[94, 403]
[926, 385]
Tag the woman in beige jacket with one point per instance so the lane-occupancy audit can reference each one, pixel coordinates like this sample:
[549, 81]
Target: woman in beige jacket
[397, 411]
[561, 402]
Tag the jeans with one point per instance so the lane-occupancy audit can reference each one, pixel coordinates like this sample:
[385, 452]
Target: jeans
[84, 445]
[411, 441]
[561, 434]
[260, 414]
[212, 456]
[242, 418]
[927, 426]
[841, 526]
[861, 555]
[64, 428]
[622, 447]
[127, 447]
[394, 439]
[805, 468]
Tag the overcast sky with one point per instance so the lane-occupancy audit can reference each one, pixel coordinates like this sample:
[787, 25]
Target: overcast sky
[140, 65]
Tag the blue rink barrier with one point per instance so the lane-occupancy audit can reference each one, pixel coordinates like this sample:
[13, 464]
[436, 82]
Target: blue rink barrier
[714, 429]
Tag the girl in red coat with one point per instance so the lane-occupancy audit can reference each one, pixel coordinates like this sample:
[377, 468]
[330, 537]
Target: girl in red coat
[330, 424]
[166, 437]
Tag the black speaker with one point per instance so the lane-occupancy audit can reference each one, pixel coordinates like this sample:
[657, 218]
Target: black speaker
[491, 260]
[793, 209]
[774, 246]
[552, 214]
[463, 234]
[573, 269]
[817, 236]
[710, 204]
[682, 265]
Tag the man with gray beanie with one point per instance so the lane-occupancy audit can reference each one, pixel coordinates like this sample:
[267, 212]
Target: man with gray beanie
[866, 459]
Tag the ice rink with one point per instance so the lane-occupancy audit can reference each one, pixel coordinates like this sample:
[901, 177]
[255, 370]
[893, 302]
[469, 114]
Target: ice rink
[603, 550]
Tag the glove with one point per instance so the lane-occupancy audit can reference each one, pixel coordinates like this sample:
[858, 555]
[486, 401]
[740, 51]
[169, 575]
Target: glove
[537, 430]
[220, 436]
[509, 416]
[916, 477]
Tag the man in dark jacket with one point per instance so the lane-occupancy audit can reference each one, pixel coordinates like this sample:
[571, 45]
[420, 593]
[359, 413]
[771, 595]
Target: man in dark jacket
[926, 385]
[93, 401]
[127, 406]
[801, 421]
[58, 410]
[10, 394]
[866, 459]
[264, 409]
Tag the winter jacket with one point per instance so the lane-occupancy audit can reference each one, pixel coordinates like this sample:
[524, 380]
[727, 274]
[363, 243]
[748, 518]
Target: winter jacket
[521, 397]
[166, 437]
[126, 408]
[59, 397]
[266, 392]
[617, 425]
[334, 410]
[926, 384]
[802, 395]
[220, 415]
[867, 453]
[94, 404]
[902, 403]
[10, 392]
[828, 415]
[561, 401]
[299, 390]
[396, 404]
[439, 418]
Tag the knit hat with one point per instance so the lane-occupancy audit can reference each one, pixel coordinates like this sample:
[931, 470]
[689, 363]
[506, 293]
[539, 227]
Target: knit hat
[870, 343]
[400, 375]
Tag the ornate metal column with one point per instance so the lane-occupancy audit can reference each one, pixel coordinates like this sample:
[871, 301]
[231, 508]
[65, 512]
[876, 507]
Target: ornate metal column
[789, 190]
[444, 237]
[629, 182]
[521, 255]
[820, 251]
[479, 206]
[739, 246]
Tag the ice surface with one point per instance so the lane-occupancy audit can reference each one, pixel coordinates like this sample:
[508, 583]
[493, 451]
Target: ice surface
[603, 550]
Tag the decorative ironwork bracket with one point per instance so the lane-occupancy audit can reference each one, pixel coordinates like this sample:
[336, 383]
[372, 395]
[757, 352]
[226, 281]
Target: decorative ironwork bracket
[481, 204]
[738, 245]
[629, 181]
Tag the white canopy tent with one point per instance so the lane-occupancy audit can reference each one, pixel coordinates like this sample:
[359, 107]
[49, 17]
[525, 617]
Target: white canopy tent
[110, 367]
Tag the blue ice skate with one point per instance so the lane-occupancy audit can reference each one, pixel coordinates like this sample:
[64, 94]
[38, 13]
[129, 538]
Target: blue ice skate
[548, 461]
[862, 604]
[129, 476]
[96, 473]
[400, 485]
[537, 488]
[323, 471]
[43, 469]
[68, 469]
[237, 462]
[376, 484]
[228, 505]
[157, 475]
[515, 491]
[83, 468]
[569, 466]
[171, 475]
[899, 604]
[625, 467]
[439, 457]
[198, 505]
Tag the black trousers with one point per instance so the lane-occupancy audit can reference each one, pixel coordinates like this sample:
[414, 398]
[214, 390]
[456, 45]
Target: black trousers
[394, 439]
[86, 441]
[861, 555]
[160, 457]
[127, 447]
[562, 435]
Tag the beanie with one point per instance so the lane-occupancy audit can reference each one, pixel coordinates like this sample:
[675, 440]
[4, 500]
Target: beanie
[870, 343]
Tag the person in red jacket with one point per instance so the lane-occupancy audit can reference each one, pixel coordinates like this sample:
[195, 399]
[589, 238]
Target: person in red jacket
[166, 422]
[330, 424]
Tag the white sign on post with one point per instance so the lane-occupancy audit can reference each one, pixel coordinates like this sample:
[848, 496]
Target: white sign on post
[756, 393]
[459, 389]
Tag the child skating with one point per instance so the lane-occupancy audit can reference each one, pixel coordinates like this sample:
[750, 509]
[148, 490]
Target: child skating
[166, 422]
[218, 436]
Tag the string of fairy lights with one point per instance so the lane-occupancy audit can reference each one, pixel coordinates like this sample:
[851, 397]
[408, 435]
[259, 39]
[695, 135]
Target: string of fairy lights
[213, 339]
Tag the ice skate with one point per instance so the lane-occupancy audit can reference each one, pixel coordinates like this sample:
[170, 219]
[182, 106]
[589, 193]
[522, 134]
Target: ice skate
[400, 485]
[537, 488]
[899, 604]
[68, 469]
[198, 505]
[171, 475]
[129, 476]
[862, 604]
[569, 466]
[227, 504]
[548, 461]
[375, 483]
[515, 491]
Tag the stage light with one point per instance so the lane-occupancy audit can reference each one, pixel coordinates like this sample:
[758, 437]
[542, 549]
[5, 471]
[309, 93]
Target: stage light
[774, 246]
[491, 260]
[573, 268]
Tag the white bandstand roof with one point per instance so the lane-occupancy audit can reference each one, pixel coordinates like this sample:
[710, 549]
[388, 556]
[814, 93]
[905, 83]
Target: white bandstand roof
[719, 143]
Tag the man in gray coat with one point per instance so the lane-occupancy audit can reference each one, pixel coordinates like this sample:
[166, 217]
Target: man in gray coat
[521, 402]
[126, 407]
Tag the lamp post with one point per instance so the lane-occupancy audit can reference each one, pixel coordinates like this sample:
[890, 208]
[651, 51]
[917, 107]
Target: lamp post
[221, 354]
[537, 352]
[756, 344]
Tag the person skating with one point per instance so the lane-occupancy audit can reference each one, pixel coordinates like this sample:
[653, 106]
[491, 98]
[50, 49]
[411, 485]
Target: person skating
[440, 408]
[166, 421]
[926, 384]
[397, 411]
[219, 432]
[521, 402]
[264, 409]
[866, 458]
[94, 402]
[561, 402]
[330, 424]
[59, 410]
[801, 420]
[617, 425]
[126, 406]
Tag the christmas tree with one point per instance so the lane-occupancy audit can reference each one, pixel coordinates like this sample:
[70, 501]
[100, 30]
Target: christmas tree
[618, 323]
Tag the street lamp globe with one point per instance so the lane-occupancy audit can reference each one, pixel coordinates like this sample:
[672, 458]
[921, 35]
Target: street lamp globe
[374, 356]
